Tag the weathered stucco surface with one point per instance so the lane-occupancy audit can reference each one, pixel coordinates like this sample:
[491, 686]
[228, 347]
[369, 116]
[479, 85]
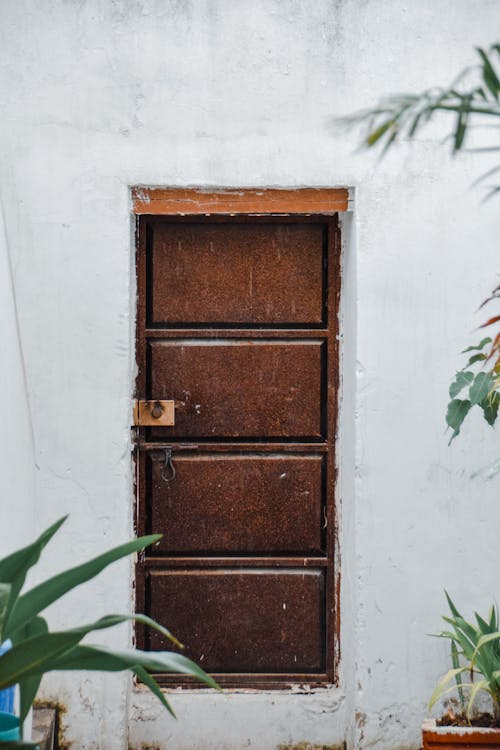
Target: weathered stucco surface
[99, 95]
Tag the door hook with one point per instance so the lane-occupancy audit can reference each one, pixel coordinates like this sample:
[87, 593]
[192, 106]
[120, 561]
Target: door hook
[168, 469]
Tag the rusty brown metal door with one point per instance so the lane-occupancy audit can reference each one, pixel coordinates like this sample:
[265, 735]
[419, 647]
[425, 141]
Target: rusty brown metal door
[237, 324]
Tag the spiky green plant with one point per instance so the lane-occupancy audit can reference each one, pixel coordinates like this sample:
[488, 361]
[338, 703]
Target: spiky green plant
[36, 650]
[476, 653]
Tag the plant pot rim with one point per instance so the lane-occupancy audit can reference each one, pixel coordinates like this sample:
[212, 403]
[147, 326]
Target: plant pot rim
[433, 735]
[430, 725]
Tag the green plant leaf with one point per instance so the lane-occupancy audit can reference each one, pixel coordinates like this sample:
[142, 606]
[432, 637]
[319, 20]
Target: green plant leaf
[461, 126]
[489, 75]
[14, 567]
[153, 686]
[480, 388]
[443, 683]
[462, 380]
[454, 611]
[488, 638]
[493, 617]
[28, 687]
[458, 677]
[98, 657]
[476, 358]
[31, 656]
[457, 411]
[20, 745]
[37, 599]
[377, 134]
[490, 407]
[484, 626]
[476, 688]
[5, 589]
[145, 620]
[480, 346]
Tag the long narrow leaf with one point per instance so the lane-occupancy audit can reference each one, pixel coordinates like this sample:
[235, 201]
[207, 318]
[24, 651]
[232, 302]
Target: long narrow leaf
[453, 609]
[11, 565]
[145, 620]
[458, 676]
[493, 618]
[14, 567]
[31, 656]
[153, 686]
[443, 683]
[28, 687]
[482, 642]
[5, 591]
[482, 685]
[37, 599]
[100, 658]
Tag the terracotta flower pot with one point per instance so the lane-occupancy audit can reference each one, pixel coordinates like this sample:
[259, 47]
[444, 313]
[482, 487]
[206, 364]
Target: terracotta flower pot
[459, 738]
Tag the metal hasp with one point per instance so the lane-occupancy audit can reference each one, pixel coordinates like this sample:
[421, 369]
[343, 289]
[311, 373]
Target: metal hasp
[154, 413]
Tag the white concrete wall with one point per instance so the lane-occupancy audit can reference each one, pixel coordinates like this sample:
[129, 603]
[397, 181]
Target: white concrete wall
[16, 430]
[99, 95]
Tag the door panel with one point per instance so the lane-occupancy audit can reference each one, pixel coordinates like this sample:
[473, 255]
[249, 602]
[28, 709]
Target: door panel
[237, 273]
[240, 387]
[242, 621]
[238, 325]
[229, 504]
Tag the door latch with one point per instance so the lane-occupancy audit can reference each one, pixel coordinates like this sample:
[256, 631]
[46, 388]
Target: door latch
[157, 413]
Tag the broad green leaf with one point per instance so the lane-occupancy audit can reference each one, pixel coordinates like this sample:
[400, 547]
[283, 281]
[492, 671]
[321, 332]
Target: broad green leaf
[21, 745]
[462, 380]
[480, 388]
[443, 683]
[37, 599]
[457, 411]
[5, 589]
[480, 346]
[14, 567]
[490, 407]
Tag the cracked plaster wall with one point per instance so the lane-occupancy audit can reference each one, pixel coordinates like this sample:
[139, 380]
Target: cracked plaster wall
[98, 95]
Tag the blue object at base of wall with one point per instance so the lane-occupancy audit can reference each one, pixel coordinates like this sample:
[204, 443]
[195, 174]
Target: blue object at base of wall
[9, 727]
[7, 696]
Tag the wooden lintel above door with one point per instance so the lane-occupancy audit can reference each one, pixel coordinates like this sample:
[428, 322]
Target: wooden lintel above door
[190, 201]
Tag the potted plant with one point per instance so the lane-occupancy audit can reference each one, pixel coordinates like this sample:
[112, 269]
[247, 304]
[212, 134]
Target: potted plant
[36, 650]
[475, 653]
